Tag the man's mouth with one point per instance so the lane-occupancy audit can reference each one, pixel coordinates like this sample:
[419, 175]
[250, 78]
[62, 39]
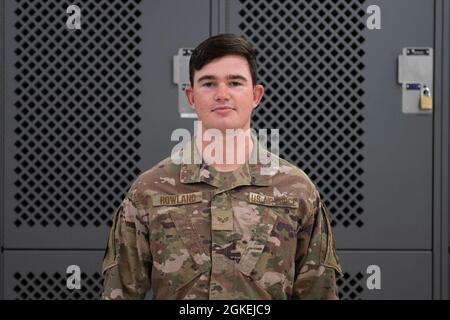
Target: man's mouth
[222, 108]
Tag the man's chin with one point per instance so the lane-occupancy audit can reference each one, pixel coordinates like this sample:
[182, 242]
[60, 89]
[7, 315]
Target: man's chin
[221, 125]
[227, 126]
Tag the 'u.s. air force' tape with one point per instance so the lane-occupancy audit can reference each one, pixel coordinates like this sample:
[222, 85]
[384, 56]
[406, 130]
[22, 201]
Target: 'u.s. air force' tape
[176, 199]
[268, 200]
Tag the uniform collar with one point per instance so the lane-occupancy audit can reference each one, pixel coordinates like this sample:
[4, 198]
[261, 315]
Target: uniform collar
[253, 172]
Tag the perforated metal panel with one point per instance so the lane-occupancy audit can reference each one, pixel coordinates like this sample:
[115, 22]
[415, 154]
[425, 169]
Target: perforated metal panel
[310, 62]
[76, 102]
[351, 286]
[47, 286]
[403, 275]
[41, 275]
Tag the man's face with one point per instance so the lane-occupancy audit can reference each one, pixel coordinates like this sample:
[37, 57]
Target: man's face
[223, 95]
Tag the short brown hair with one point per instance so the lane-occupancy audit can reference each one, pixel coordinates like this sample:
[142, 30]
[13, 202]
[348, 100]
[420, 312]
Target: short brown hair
[219, 46]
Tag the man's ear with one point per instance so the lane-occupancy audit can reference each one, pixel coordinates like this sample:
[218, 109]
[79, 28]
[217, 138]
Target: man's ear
[189, 92]
[258, 93]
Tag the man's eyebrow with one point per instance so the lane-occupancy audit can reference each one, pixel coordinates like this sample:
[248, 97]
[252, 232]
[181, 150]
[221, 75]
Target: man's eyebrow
[236, 77]
[229, 77]
[206, 77]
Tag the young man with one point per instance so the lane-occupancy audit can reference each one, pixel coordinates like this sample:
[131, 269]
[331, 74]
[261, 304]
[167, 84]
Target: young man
[222, 229]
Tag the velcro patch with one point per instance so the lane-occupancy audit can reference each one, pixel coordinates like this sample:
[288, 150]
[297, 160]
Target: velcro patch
[267, 200]
[222, 220]
[177, 199]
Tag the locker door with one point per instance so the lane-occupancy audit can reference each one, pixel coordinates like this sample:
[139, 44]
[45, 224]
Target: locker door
[333, 91]
[87, 111]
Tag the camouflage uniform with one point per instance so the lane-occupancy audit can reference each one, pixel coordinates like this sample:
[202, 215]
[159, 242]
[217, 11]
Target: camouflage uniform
[187, 231]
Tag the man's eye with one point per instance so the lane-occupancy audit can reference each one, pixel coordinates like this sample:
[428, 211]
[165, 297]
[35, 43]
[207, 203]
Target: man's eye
[208, 84]
[235, 84]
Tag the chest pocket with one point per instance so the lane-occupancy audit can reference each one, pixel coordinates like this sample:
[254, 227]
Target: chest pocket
[268, 228]
[178, 255]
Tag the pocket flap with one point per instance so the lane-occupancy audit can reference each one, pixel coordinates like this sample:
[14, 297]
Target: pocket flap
[190, 239]
[258, 241]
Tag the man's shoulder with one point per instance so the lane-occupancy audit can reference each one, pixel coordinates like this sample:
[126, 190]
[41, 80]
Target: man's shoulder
[289, 171]
[292, 180]
[158, 179]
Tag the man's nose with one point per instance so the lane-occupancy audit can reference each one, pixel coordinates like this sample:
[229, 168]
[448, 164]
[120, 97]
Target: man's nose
[222, 92]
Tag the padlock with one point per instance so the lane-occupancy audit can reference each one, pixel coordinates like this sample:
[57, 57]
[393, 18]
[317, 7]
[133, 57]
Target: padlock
[426, 102]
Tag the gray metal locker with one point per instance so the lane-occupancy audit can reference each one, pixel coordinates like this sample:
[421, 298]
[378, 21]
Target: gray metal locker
[332, 86]
[85, 112]
[332, 83]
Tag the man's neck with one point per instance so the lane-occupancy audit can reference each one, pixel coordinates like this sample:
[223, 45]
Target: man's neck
[236, 150]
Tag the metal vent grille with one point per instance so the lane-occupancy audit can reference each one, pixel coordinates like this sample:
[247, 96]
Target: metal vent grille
[310, 61]
[350, 287]
[76, 109]
[46, 286]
